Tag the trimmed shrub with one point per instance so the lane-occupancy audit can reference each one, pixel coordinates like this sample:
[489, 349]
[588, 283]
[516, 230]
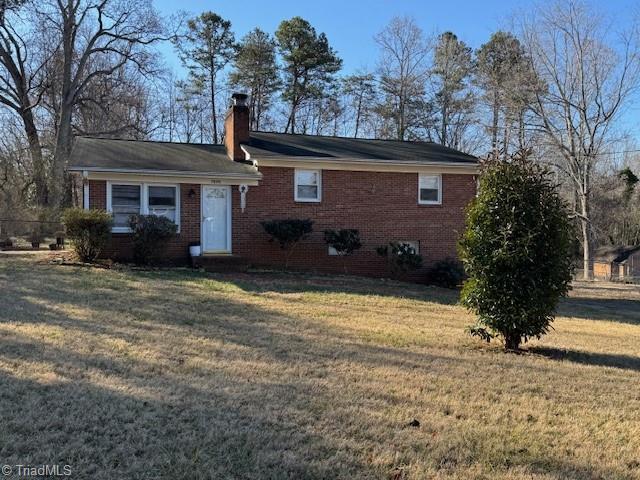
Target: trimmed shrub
[345, 242]
[89, 230]
[401, 258]
[288, 233]
[150, 236]
[517, 252]
[447, 273]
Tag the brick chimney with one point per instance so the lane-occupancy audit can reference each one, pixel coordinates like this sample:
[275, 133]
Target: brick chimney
[236, 126]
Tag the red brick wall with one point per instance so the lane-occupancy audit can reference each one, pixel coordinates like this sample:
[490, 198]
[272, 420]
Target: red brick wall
[382, 206]
[178, 248]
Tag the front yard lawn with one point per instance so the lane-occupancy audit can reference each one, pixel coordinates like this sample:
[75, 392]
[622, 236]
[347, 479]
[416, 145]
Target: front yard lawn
[180, 374]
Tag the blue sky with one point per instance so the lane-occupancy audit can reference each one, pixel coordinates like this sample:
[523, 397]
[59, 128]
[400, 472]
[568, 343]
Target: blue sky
[350, 25]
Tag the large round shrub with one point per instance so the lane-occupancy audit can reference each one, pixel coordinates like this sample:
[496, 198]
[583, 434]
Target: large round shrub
[89, 230]
[151, 233]
[516, 251]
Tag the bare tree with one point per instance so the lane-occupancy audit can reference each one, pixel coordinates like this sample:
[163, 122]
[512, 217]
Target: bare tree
[84, 34]
[360, 89]
[588, 77]
[403, 69]
[20, 85]
[191, 106]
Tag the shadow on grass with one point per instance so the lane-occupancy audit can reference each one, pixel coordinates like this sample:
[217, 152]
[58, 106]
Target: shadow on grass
[284, 282]
[160, 415]
[609, 309]
[626, 362]
[105, 434]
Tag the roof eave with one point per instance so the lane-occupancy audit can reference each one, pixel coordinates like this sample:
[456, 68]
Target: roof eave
[172, 173]
[365, 161]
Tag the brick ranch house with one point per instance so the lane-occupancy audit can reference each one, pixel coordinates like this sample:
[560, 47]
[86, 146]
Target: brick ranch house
[413, 192]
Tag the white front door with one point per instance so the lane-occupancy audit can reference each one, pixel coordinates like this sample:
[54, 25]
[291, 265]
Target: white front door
[216, 218]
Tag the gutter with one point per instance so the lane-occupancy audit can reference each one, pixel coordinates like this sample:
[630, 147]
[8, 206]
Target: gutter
[368, 162]
[363, 161]
[167, 173]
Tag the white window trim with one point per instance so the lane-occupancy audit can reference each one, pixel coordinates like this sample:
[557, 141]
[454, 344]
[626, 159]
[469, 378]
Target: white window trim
[295, 185]
[144, 200]
[431, 202]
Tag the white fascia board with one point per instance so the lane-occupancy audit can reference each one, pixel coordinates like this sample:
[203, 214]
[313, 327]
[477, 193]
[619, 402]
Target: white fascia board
[96, 173]
[357, 164]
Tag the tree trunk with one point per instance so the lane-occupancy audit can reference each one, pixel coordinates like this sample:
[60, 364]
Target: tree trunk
[494, 125]
[521, 131]
[64, 135]
[505, 140]
[401, 119]
[212, 81]
[64, 140]
[443, 125]
[254, 109]
[293, 118]
[586, 237]
[512, 341]
[35, 149]
[358, 113]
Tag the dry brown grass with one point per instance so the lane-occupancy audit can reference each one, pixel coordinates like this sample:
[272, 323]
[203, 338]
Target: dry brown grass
[180, 374]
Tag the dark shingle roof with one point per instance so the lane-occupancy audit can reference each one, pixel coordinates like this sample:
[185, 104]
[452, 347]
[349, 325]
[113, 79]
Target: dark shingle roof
[134, 155]
[615, 254]
[264, 144]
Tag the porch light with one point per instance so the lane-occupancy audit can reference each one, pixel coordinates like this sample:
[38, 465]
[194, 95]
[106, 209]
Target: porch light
[243, 196]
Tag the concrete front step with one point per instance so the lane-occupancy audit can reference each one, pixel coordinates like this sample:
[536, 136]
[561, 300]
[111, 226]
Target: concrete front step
[220, 263]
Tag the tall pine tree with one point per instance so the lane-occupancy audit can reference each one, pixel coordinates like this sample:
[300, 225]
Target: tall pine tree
[309, 64]
[205, 48]
[256, 70]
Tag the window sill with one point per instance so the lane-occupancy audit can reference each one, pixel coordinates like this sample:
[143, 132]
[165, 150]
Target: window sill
[301, 200]
[128, 230]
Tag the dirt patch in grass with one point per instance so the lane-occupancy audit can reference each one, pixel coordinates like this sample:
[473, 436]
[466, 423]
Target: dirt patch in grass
[181, 374]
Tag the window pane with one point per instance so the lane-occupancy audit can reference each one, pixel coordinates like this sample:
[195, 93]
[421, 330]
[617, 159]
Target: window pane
[428, 182]
[428, 195]
[307, 191]
[168, 212]
[165, 196]
[125, 195]
[162, 202]
[307, 177]
[125, 201]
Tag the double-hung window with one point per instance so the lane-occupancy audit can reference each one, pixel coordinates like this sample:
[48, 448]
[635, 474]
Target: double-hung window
[162, 201]
[308, 185]
[430, 189]
[127, 199]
